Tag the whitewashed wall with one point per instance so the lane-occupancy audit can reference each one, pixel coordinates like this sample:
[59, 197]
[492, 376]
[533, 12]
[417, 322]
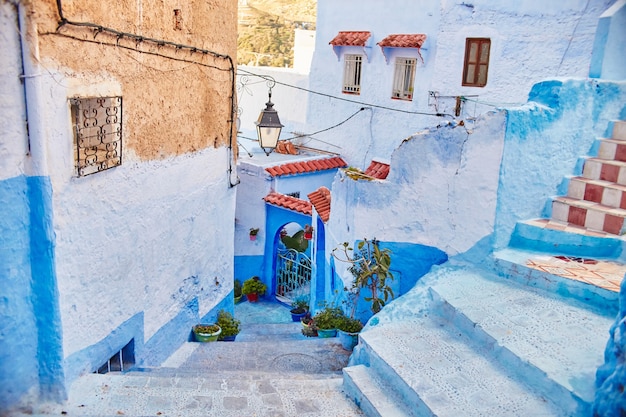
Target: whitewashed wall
[531, 41]
[147, 236]
[441, 191]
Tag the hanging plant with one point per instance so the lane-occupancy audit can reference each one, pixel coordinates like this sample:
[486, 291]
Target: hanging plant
[308, 232]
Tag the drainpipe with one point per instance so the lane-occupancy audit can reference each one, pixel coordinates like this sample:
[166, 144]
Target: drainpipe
[44, 290]
[32, 94]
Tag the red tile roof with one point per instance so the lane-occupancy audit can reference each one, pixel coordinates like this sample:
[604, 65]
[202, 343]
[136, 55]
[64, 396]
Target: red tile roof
[321, 201]
[351, 38]
[301, 167]
[289, 202]
[403, 41]
[378, 170]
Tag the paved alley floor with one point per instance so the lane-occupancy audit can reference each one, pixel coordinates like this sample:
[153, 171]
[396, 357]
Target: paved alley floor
[271, 370]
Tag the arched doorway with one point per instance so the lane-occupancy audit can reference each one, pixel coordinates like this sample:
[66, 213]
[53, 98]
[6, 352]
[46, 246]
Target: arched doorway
[293, 264]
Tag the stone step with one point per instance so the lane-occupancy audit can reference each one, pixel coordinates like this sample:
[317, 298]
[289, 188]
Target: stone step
[606, 170]
[553, 342]
[602, 192]
[372, 394]
[597, 286]
[612, 149]
[589, 214]
[311, 355]
[219, 394]
[262, 332]
[619, 130]
[439, 371]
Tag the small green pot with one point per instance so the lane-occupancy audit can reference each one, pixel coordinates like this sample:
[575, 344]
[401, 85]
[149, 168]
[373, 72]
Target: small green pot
[205, 337]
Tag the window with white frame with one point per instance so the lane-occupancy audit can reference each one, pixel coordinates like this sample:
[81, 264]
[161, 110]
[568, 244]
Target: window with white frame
[352, 74]
[404, 78]
[97, 133]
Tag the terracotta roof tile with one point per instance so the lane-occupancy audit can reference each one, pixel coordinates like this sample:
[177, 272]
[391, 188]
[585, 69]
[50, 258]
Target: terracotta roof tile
[403, 41]
[321, 201]
[347, 38]
[378, 170]
[289, 202]
[302, 167]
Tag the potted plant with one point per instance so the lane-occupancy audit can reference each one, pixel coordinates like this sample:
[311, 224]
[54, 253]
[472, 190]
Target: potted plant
[229, 325]
[237, 291]
[308, 326]
[308, 232]
[253, 232]
[206, 332]
[348, 330]
[326, 321]
[299, 308]
[252, 288]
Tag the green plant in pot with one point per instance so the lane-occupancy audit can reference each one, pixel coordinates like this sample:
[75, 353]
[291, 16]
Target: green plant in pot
[348, 330]
[206, 332]
[326, 321]
[308, 325]
[252, 288]
[238, 294]
[299, 308]
[229, 325]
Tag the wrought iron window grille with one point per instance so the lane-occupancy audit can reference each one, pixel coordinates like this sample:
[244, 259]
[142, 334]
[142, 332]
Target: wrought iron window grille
[97, 133]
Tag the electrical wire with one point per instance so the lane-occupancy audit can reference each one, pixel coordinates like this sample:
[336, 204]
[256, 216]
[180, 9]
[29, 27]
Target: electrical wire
[319, 131]
[346, 99]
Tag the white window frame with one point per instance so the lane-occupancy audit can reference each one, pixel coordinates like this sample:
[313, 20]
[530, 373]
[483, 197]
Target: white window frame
[404, 78]
[353, 66]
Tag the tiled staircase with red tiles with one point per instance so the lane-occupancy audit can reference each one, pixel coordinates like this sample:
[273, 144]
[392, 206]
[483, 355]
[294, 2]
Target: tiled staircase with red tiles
[589, 220]
[597, 199]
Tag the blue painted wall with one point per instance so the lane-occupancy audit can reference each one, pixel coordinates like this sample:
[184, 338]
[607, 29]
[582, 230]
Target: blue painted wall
[247, 266]
[30, 326]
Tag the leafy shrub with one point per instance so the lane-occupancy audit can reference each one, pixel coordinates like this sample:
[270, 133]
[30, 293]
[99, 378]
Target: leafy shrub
[254, 286]
[228, 323]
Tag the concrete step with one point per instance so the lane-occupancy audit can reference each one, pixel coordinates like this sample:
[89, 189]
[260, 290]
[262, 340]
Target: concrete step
[589, 214]
[215, 394]
[438, 370]
[269, 331]
[539, 270]
[312, 355]
[603, 192]
[373, 395]
[554, 343]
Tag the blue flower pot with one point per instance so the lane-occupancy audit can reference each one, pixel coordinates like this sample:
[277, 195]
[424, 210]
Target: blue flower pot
[327, 333]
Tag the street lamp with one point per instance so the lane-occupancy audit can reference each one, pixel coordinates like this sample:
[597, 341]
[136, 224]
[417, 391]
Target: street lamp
[268, 126]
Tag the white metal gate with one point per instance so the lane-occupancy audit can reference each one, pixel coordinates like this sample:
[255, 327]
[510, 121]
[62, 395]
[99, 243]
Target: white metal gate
[293, 275]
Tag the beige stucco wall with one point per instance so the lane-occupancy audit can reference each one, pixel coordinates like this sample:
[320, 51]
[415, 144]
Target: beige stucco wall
[160, 119]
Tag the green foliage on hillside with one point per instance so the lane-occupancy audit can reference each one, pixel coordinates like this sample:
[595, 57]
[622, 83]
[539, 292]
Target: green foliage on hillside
[266, 30]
